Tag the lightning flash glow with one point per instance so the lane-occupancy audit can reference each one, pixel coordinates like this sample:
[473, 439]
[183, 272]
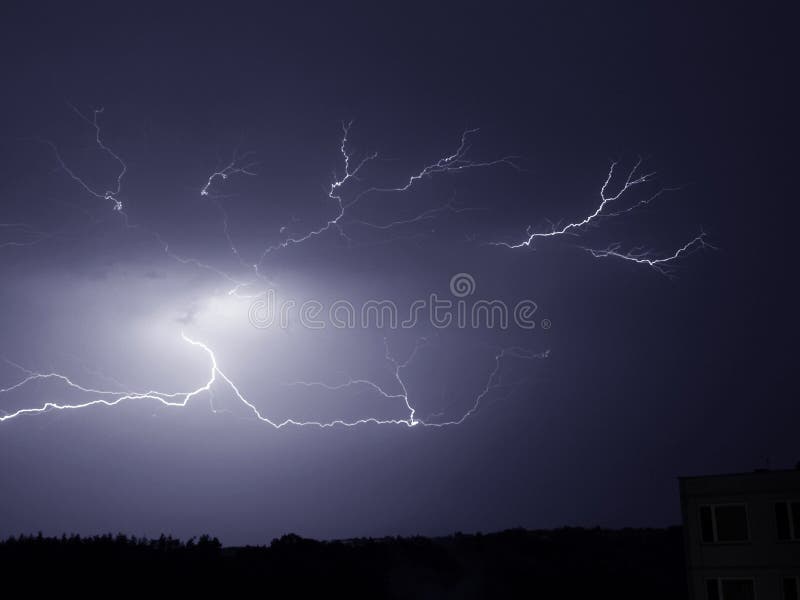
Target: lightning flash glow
[99, 397]
[353, 169]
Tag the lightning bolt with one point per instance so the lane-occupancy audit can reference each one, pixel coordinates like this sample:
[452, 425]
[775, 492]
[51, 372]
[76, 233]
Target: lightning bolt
[604, 210]
[644, 257]
[182, 399]
[426, 215]
[234, 167]
[610, 205]
[239, 165]
[110, 194]
[456, 162]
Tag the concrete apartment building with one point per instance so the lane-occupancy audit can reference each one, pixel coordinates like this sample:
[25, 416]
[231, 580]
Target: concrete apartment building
[742, 535]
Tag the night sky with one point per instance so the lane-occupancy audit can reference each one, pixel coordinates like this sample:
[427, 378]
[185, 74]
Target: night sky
[633, 375]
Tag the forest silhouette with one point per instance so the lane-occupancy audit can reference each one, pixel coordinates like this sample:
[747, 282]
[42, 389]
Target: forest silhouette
[567, 562]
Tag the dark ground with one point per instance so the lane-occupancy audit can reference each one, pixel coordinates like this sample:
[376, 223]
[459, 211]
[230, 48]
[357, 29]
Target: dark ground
[562, 563]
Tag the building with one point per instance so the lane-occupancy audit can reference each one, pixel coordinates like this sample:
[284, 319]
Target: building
[742, 535]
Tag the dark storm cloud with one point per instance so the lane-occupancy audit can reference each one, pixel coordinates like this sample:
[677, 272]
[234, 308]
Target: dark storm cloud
[646, 379]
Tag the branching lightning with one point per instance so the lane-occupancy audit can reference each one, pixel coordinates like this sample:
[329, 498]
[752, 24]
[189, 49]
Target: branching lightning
[234, 167]
[456, 162]
[354, 167]
[182, 399]
[604, 211]
[110, 194]
[644, 257]
[239, 165]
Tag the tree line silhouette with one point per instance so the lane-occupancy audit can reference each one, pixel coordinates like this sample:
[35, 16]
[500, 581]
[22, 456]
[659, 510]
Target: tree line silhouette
[561, 563]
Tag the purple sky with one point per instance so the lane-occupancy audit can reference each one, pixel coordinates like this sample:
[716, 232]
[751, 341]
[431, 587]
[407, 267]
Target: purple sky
[632, 375]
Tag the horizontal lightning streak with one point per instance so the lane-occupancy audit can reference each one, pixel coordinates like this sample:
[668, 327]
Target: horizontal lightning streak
[644, 257]
[181, 399]
[638, 256]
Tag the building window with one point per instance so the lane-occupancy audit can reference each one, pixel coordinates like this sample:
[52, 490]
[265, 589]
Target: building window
[791, 588]
[720, 523]
[787, 519]
[730, 589]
